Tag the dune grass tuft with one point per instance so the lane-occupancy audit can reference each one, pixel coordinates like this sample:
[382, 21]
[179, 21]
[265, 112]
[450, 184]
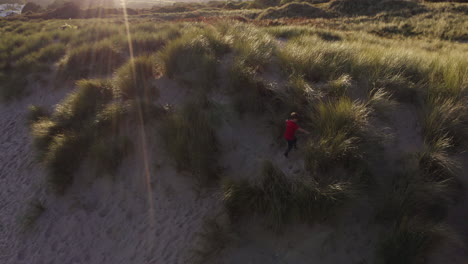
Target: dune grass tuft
[402, 89]
[249, 92]
[35, 113]
[416, 205]
[191, 141]
[446, 118]
[251, 45]
[381, 101]
[214, 238]
[340, 86]
[344, 132]
[108, 119]
[436, 162]
[43, 131]
[135, 79]
[29, 217]
[82, 104]
[192, 58]
[411, 194]
[63, 157]
[13, 86]
[108, 154]
[144, 43]
[411, 240]
[280, 200]
[80, 123]
[91, 60]
[293, 10]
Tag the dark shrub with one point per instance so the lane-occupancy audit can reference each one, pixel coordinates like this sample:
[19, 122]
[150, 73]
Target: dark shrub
[35, 113]
[281, 200]
[96, 59]
[31, 7]
[136, 79]
[192, 142]
[293, 10]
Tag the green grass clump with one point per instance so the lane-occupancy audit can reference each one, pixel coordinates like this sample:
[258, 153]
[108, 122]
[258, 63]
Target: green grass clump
[147, 38]
[402, 89]
[35, 113]
[82, 104]
[364, 62]
[381, 101]
[144, 43]
[63, 139]
[251, 45]
[94, 32]
[449, 77]
[22, 57]
[95, 59]
[82, 120]
[293, 10]
[446, 118]
[296, 96]
[249, 92]
[315, 63]
[43, 131]
[63, 157]
[110, 117]
[340, 86]
[367, 7]
[40, 60]
[344, 131]
[30, 44]
[436, 162]
[280, 200]
[192, 58]
[191, 141]
[51, 53]
[13, 86]
[288, 32]
[33, 211]
[413, 194]
[416, 205]
[343, 115]
[214, 238]
[30, 64]
[109, 153]
[135, 79]
[411, 240]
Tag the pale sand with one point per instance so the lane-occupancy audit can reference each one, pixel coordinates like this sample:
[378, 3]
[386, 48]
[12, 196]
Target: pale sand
[155, 219]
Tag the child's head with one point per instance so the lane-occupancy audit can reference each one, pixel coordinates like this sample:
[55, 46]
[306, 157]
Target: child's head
[294, 117]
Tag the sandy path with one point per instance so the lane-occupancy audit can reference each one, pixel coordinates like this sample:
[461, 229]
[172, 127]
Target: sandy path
[20, 175]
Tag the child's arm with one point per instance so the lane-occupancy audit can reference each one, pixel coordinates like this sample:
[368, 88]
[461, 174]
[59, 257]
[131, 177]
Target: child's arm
[304, 131]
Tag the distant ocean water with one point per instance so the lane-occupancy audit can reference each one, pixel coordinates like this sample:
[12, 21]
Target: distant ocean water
[10, 9]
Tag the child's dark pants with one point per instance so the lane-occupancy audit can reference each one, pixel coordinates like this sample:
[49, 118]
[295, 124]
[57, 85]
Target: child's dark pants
[291, 144]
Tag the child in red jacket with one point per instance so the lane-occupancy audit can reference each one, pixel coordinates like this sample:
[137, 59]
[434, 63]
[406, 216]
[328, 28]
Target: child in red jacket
[290, 133]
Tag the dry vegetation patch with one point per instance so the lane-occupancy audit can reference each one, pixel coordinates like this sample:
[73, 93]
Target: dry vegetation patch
[190, 139]
[96, 59]
[293, 10]
[76, 128]
[280, 200]
[370, 7]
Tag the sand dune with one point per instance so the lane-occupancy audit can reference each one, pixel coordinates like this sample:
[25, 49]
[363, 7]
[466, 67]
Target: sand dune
[156, 218]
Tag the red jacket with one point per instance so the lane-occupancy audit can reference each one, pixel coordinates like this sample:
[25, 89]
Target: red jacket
[291, 128]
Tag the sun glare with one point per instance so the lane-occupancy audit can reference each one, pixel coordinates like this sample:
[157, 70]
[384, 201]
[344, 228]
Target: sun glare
[142, 133]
